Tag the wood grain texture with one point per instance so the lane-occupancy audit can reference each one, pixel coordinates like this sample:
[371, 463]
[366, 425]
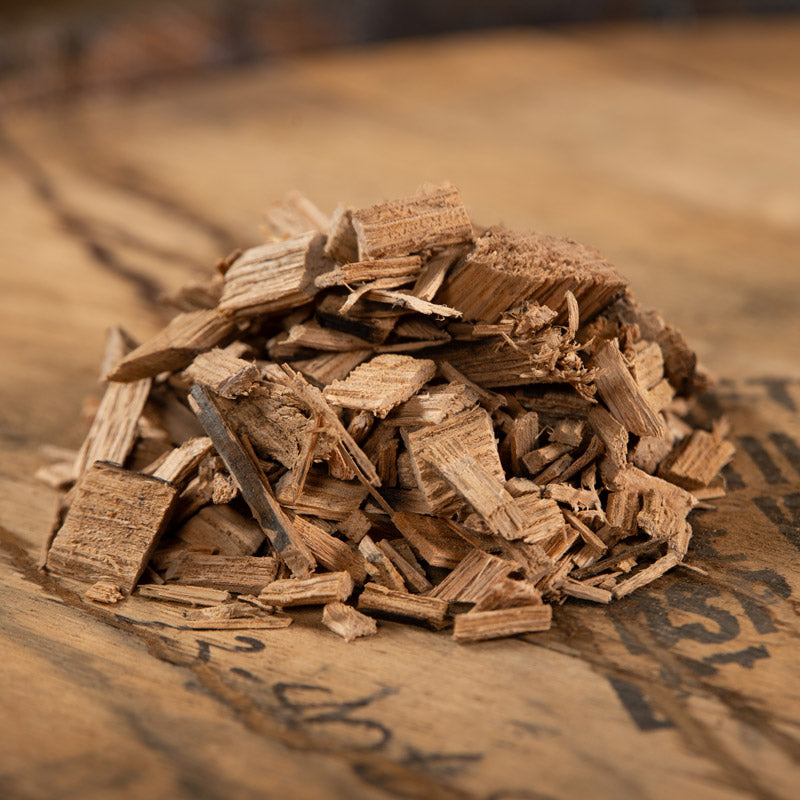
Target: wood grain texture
[667, 151]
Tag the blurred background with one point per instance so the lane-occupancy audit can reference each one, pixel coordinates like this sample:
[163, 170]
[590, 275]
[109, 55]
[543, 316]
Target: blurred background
[60, 47]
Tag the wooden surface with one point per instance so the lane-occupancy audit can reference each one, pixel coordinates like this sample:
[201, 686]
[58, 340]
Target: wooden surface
[674, 151]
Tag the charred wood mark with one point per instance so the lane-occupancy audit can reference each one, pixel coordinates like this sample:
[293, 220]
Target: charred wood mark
[638, 706]
[787, 524]
[745, 658]
[247, 645]
[733, 479]
[438, 764]
[778, 391]
[788, 448]
[305, 709]
[243, 673]
[680, 677]
[761, 458]
[73, 224]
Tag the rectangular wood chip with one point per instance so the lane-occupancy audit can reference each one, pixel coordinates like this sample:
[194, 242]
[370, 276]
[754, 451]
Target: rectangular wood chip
[112, 527]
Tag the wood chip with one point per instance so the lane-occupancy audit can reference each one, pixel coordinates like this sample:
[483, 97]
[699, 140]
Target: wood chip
[434, 405]
[177, 465]
[379, 565]
[112, 526]
[478, 626]
[498, 509]
[626, 400]
[330, 552]
[696, 461]
[314, 591]
[474, 431]
[106, 590]
[241, 574]
[222, 529]
[381, 384]
[265, 623]
[188, 595]
[174, 347]
[114, 427]
[391, 602]
[467, 582]
[274, 277]
[434, 217]
[226, 374]
[346, 622]
[612, 433]
[524, 267]
[360, 271]
[254, 486]
[433, 539]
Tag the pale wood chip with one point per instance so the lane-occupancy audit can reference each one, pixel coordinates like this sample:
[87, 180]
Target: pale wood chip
[222, 529]
[433, 539]
[106, 590]
[188, 595]
[696, 461]
[112, 526]
[478, 626]
[177, 465]
[175, 346]
[381, 600]
[381, 384]
[346, 622]
[314, 591]
[241, 574]
[223, 372]
[434, 217]
[361, 271]
[274, 277]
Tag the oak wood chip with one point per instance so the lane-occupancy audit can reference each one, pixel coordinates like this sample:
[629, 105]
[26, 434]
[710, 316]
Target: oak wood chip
[433, 539]
[694, 463]
[361, 271]
[112, 526]
[240, 574]
[434, 217]
[474, 430]
[478, 626]
[175, 346]
[522, 267]
[274, 277]
[391, 602]
[381, 384]
[347, 622]
[626, 400]
[316, 590]
[223, 529]
[188, 595]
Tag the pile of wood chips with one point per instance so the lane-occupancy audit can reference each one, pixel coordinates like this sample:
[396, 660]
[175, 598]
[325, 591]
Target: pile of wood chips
[391, 413]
